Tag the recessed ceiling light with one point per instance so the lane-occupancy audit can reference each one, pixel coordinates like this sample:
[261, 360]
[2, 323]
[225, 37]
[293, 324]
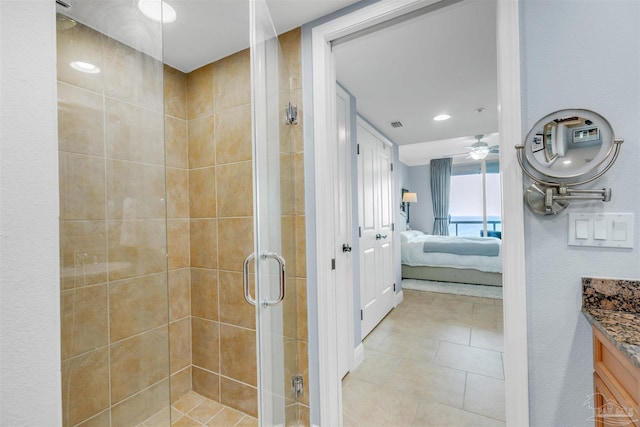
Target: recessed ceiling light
[441, 117]
[152, 9]
[85, 67]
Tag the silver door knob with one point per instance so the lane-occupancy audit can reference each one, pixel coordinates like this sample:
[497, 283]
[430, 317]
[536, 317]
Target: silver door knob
[346, 247]
[380, 236]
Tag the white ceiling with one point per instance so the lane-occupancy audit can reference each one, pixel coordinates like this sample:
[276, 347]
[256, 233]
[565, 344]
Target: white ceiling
[204, 31]
[441, 62]
[225, 25]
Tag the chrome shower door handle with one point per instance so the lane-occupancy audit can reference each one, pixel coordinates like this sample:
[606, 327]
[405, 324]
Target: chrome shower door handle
[281, 277]
[245, 280]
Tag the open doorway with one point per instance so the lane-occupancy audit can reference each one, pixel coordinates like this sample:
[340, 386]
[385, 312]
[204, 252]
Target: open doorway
[439, 352]
[509, 122]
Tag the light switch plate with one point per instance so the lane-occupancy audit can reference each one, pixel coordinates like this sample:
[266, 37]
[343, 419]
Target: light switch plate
[605, 230]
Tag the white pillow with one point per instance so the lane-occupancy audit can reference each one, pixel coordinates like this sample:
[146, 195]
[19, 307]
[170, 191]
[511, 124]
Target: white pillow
[405, 236]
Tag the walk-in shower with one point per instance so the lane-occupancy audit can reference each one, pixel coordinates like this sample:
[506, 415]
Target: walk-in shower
[169, 180]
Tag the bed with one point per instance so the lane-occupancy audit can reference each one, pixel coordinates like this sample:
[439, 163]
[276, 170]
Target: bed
[475, 260]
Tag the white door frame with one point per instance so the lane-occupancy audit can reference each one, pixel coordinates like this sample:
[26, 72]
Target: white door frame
[510, 128]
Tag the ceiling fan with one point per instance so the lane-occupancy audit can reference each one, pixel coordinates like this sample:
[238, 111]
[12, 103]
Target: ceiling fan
[480, 149]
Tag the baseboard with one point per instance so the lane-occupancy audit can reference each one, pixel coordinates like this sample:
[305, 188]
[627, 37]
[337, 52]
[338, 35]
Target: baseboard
[399, 298]
[358, 356]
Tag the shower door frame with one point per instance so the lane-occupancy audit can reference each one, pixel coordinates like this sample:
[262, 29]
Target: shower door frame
[271, 88]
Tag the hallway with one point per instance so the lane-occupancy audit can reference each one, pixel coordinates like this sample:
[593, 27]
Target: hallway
[435, 360]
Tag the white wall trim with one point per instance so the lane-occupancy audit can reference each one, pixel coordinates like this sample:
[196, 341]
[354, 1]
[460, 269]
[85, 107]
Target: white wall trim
[324, 88]
[358, 356]
[516, 365]
[516, 362]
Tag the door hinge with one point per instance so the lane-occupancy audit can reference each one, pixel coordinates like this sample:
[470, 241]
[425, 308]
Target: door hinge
[358, 148]
[359, 231]
[393, 226]
[297, 386]
[333, 263]
[394, 287]
[391, 167]
[361, 315]
[291, 112]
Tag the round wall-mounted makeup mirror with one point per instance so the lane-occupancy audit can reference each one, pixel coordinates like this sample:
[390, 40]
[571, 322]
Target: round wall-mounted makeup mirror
[565, 149]
[569, 144]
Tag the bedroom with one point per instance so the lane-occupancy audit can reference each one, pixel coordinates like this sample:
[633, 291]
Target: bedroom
[467, 82]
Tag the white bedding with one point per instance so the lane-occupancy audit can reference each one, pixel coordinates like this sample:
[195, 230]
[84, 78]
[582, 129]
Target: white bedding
[414, 255]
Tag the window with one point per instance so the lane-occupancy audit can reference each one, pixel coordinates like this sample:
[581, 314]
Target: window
[466, 200]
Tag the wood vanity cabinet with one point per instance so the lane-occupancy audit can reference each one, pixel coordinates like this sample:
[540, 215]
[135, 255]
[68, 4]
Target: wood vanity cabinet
[616, 385]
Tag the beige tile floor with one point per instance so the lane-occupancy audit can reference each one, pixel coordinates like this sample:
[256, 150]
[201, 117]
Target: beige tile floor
[194, 410]
[435, 360]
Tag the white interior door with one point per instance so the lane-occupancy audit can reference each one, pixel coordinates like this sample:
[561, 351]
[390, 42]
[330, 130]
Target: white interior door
[342, 230]
[385, 229]
[376, 238]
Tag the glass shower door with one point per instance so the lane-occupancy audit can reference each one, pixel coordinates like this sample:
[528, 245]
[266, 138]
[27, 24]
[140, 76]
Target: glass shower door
[274, 222]
[115, 366]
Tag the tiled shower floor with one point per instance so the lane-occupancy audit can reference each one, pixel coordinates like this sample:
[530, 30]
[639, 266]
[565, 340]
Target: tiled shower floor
[194, 410]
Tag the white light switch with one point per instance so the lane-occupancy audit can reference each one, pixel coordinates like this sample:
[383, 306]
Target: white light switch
[619, 231]
[582, 229]
[600, 229]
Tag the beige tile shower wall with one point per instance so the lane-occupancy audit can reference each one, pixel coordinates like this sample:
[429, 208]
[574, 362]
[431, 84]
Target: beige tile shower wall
[178, 230]
[291, 45]
[221, 229]
[112, 185]
[115, 326]
[221, 225]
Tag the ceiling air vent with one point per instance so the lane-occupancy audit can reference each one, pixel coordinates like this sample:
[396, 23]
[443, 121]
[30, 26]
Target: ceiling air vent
[397, 124]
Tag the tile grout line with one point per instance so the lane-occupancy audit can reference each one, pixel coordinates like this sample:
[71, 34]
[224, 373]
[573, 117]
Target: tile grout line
[392, 331]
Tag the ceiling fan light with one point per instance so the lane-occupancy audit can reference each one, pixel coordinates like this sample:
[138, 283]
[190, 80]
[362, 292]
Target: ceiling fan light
[480, 153]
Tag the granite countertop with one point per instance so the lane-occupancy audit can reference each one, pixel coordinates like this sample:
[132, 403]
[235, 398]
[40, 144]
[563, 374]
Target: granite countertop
[613, 307]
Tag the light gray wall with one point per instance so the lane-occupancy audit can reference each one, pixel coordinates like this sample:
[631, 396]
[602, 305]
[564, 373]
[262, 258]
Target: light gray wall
[401, 175]
[576, 54]
[421, 213]
[30, 390]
